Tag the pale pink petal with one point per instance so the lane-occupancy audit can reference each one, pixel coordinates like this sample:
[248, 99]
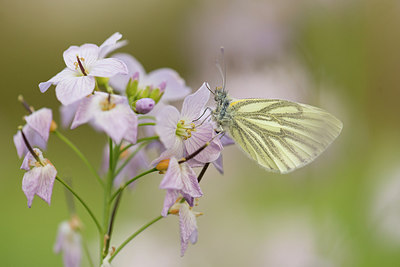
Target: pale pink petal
[170, 198]
[120, 81]
[73, 89]
[86, 110]
[69, 243]
[173, 177]
[30, 183]
[40, 121]
[119, 123]
[19, 144]
[175, 89]
[33, 138]
[69, 56]
[176, 151]
[108, 67]
[111, 44]
[89, 53]
[187, 226]
[191, 186]
[46, 182]
[68, 113]
[202, 135]
[194, 104]
[64, 74]
[218, 164]
[167, 121]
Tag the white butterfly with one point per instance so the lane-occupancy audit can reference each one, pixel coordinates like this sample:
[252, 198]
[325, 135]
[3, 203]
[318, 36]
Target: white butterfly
[279, 135]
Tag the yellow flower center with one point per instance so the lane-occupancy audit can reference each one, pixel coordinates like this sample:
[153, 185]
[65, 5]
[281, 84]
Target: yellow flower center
[185, 130]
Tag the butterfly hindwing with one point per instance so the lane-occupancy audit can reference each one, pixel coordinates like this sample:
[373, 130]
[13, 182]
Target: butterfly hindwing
[281, 135]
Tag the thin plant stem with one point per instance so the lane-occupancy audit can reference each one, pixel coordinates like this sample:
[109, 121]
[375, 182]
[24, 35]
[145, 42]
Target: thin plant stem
[144, 117]
[129, 239]
[131, 181]
[140, 140]
[107, 193]
[129, 158]
[111, 224]
[82, 202]
[147, 124]
[80, 155]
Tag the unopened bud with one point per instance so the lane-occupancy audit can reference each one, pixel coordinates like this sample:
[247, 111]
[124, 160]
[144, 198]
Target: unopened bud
[144, 105]
[162, 166]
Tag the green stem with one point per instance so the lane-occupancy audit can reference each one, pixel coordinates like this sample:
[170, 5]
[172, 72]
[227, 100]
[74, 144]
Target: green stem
[79, 153]
[129, 239]
[151, 138]
[107, 193]
[131, 181]
[144, 117]
[82, 202]
[140, 140]
[146, 124]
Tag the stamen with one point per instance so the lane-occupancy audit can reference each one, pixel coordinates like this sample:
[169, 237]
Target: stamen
[81, 66]
[30, 148]
[25, 104]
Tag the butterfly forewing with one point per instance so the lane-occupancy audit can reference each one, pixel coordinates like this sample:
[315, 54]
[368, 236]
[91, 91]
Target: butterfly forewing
[281, 135]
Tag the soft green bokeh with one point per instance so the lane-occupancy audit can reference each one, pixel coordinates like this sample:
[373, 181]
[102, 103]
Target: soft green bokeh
[352, 45]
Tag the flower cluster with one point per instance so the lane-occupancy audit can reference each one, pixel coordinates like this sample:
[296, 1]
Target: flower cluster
[112, 94]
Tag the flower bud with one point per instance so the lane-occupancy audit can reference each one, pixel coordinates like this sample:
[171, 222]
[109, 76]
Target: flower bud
[53, 126]
[144, 105]
[162, 166]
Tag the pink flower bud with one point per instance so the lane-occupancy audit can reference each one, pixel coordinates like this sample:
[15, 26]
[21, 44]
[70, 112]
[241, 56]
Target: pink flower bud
[144, 105]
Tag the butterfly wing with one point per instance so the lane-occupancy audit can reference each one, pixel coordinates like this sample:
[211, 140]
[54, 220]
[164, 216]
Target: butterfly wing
[281, 135]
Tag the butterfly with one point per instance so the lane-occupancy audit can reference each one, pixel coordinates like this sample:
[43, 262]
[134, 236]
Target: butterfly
[279, 135]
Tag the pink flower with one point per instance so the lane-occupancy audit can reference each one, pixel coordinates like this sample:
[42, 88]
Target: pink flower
[187, 226]
[36, 130]
[78, 80]
[179, 179]
[185, 132]
[69, 243]
[39, 178]
[165, 79]
[109, 113]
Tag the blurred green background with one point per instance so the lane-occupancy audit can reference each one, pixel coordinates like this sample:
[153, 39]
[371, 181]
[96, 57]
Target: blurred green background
[344, 56]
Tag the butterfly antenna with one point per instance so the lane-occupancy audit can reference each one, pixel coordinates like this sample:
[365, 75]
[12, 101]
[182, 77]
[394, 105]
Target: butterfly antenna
[221, 66]
[209, 89]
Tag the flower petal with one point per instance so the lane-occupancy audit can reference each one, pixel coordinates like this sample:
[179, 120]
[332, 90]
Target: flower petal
[195, 103]
[108, 67]
[111, 44]
[191, 186]
[170, 198]
[46, 182]
[30, 183]
[68, 113]
[87, 53]
[86, 110]
[73, 89]
[202, 135]
[64, 74]
[167, 121]
[187, 226]
[119, 123]
[40, 121]
[119, 82]
[175, 89]
[173, 177]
